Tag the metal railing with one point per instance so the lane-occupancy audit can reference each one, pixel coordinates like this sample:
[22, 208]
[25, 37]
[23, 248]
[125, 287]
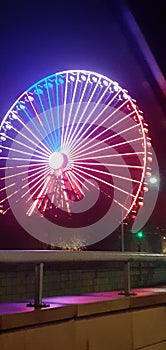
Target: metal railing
[39, 257]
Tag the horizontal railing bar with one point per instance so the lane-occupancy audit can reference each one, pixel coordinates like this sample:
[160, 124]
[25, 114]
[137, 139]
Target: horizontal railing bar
[47, 256]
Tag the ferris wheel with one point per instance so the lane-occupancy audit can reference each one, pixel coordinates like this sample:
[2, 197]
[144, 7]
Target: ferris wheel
[75, 155]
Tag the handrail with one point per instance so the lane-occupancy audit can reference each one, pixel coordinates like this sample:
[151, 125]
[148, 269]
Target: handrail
[46, 256]
[39, 257]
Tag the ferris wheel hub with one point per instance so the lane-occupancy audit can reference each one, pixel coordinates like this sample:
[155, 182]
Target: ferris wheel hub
[56, 160]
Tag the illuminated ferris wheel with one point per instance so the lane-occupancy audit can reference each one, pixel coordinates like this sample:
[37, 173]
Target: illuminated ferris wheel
[74, 146]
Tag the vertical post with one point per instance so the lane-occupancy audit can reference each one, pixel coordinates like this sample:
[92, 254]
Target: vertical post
[38, 288]
[122, 236]
[127, 278]
[38, 285]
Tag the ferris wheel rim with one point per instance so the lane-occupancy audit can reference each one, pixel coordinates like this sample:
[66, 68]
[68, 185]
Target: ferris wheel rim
[103, 77]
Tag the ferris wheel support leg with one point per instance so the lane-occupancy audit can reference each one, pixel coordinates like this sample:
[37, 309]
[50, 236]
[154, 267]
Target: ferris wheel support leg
[38, 288]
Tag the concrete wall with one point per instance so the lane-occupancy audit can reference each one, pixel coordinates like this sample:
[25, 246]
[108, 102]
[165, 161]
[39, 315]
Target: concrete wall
[120, 325]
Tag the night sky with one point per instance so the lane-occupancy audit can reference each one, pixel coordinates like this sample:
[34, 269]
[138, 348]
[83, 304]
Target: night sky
[40, 38]
[150, 17]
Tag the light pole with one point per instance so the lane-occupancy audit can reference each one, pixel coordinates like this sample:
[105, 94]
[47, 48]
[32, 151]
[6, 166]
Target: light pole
[153, 182]
[122, 230]
[122, 236]
[122, 225]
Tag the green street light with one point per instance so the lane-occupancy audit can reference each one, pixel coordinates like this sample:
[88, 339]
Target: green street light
[139, 234]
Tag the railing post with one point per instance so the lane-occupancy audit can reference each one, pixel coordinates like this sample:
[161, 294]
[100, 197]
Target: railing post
[38, 288]
[127, 278]
[38, 285]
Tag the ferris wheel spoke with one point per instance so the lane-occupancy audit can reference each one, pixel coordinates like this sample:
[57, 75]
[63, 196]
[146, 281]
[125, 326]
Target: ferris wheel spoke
[26, 146]
[78, 107]
[64, 110]
[23, 166]
[72, 174]
[119, 165]
[109, 137]
[103, 181]
[64, 197]
[9, 196]
[52, 116]
[31, 165]
[109, 147]
[34, 109]
[67, 133]
[45, 153]
[49, 133]
[75, 159]
[23, 152]
[57, 110]
[86, 106]
[88, 139]
[74, 182]
[23, 159]
[49, 144]
[41, 194]
[43, 191]
[80, 176]
[41, 183]
[37, 172]
[65, 192]
[79, 138]
[92, 184]
[6, 187]
[22, 172]
[5, 211]
[73, 141]
[40, 177]
[120, 205]
[111, 174]
[34, 135]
